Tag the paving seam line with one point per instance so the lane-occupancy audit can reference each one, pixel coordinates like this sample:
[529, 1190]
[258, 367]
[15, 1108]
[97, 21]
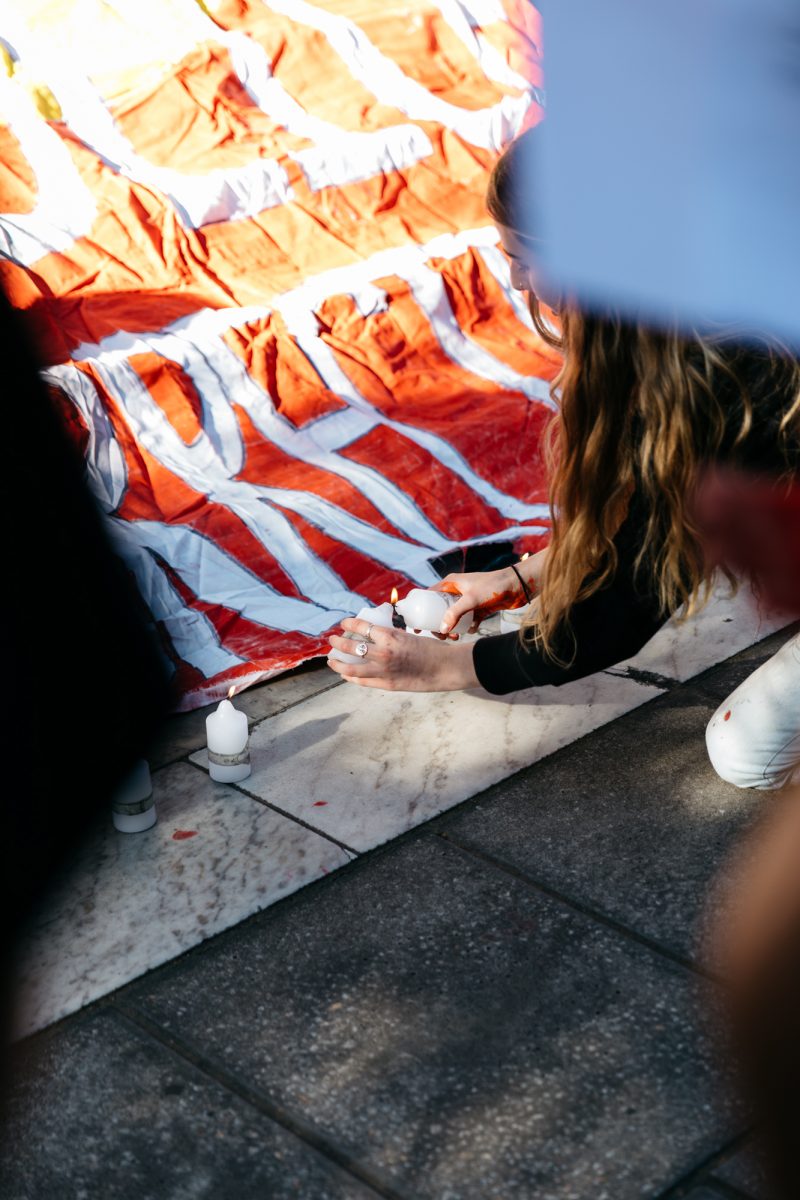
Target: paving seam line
[283, 813]
[258, 1100]
[701, 1174]
[285, 708]
[579, 906]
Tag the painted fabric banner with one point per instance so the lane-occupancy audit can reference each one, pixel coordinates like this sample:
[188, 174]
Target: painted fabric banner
[252, 241]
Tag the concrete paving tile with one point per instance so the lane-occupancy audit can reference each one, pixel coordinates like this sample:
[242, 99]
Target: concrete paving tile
[133, 901]
[185, 732]
[364, 765]
[460, 1032]
[99, 1111]
[631, 820]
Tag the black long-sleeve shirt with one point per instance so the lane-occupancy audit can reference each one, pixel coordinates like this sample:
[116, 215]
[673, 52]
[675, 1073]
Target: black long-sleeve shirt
[614, 623]
[608, 627]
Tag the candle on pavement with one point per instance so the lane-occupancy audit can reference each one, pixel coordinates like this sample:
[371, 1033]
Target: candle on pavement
[133, 809]
[228, 743]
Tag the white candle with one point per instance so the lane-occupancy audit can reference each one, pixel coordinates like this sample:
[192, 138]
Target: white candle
[132, 807]
[424, 609]
[228, 749]
[382, 615]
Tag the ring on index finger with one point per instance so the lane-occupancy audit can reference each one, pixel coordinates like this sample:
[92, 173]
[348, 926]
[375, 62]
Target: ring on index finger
[361, 649]
[368, 634]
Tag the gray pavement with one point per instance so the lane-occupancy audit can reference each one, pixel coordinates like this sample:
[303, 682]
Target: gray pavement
[508, 1002]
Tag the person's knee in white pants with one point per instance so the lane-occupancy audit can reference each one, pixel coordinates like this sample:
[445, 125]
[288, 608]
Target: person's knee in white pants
[753, 739]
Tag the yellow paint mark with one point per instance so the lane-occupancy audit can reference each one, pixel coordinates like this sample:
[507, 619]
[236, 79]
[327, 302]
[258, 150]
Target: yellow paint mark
[46, 102]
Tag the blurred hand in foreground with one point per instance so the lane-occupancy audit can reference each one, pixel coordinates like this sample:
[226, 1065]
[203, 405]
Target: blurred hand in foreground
[755, 946]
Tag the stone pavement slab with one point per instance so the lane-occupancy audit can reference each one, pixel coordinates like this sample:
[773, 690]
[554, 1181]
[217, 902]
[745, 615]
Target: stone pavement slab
[131, 903]
[364, 765]
[456, 1032]
[104, 1111]
[632, 820]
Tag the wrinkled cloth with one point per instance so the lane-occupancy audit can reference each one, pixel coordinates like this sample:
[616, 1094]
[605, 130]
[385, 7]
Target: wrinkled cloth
[253, 245]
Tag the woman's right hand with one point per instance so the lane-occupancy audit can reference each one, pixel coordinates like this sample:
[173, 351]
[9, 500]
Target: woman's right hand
[481, 593]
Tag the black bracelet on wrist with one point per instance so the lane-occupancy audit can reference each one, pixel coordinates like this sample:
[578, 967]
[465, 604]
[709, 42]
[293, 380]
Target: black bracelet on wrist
[526, 590]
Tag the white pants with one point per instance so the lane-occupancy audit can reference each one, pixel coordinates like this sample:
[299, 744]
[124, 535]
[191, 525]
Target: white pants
[753, 738]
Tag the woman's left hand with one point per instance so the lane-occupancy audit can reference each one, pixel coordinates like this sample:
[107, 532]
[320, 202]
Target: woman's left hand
[402, 662]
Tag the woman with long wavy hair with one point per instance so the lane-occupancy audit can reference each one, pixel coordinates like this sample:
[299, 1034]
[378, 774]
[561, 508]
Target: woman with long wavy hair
[641, 412]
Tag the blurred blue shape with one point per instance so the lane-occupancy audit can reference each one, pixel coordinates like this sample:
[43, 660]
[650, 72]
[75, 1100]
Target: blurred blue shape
[666, 178]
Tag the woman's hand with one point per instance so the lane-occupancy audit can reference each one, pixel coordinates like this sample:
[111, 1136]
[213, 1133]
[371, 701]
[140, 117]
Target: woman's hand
[484, 593]
[400, 662]
[481, 593]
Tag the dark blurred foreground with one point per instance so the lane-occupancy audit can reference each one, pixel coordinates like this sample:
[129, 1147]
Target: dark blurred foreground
[71, 628]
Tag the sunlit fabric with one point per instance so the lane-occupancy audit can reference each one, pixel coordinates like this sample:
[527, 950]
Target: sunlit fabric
[252, 242]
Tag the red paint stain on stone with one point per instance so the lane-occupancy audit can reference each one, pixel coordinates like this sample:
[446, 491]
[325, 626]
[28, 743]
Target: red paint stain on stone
[727, 716]
[319, 803]
[180, 835]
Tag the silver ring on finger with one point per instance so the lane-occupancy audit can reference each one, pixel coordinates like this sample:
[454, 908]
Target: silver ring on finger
[368, 634]
[361, 649]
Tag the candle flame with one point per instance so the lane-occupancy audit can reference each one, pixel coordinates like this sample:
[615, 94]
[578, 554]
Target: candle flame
[394, 596]
[525, 555]
[231, 691]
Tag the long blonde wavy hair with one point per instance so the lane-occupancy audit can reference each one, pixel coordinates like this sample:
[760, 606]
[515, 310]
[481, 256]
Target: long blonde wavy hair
[639, 411]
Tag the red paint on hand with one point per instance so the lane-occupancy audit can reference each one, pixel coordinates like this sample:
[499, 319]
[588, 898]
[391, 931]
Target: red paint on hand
[510, 598]
[727, 716]
[180, 835]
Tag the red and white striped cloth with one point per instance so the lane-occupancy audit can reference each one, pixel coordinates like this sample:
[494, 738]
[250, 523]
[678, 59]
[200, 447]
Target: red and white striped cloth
[267, 288]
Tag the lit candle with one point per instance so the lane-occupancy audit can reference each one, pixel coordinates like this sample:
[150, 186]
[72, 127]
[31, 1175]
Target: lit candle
[424, 608]
[382, 615]
[228, 743]
[132, 807]
[397, 620]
